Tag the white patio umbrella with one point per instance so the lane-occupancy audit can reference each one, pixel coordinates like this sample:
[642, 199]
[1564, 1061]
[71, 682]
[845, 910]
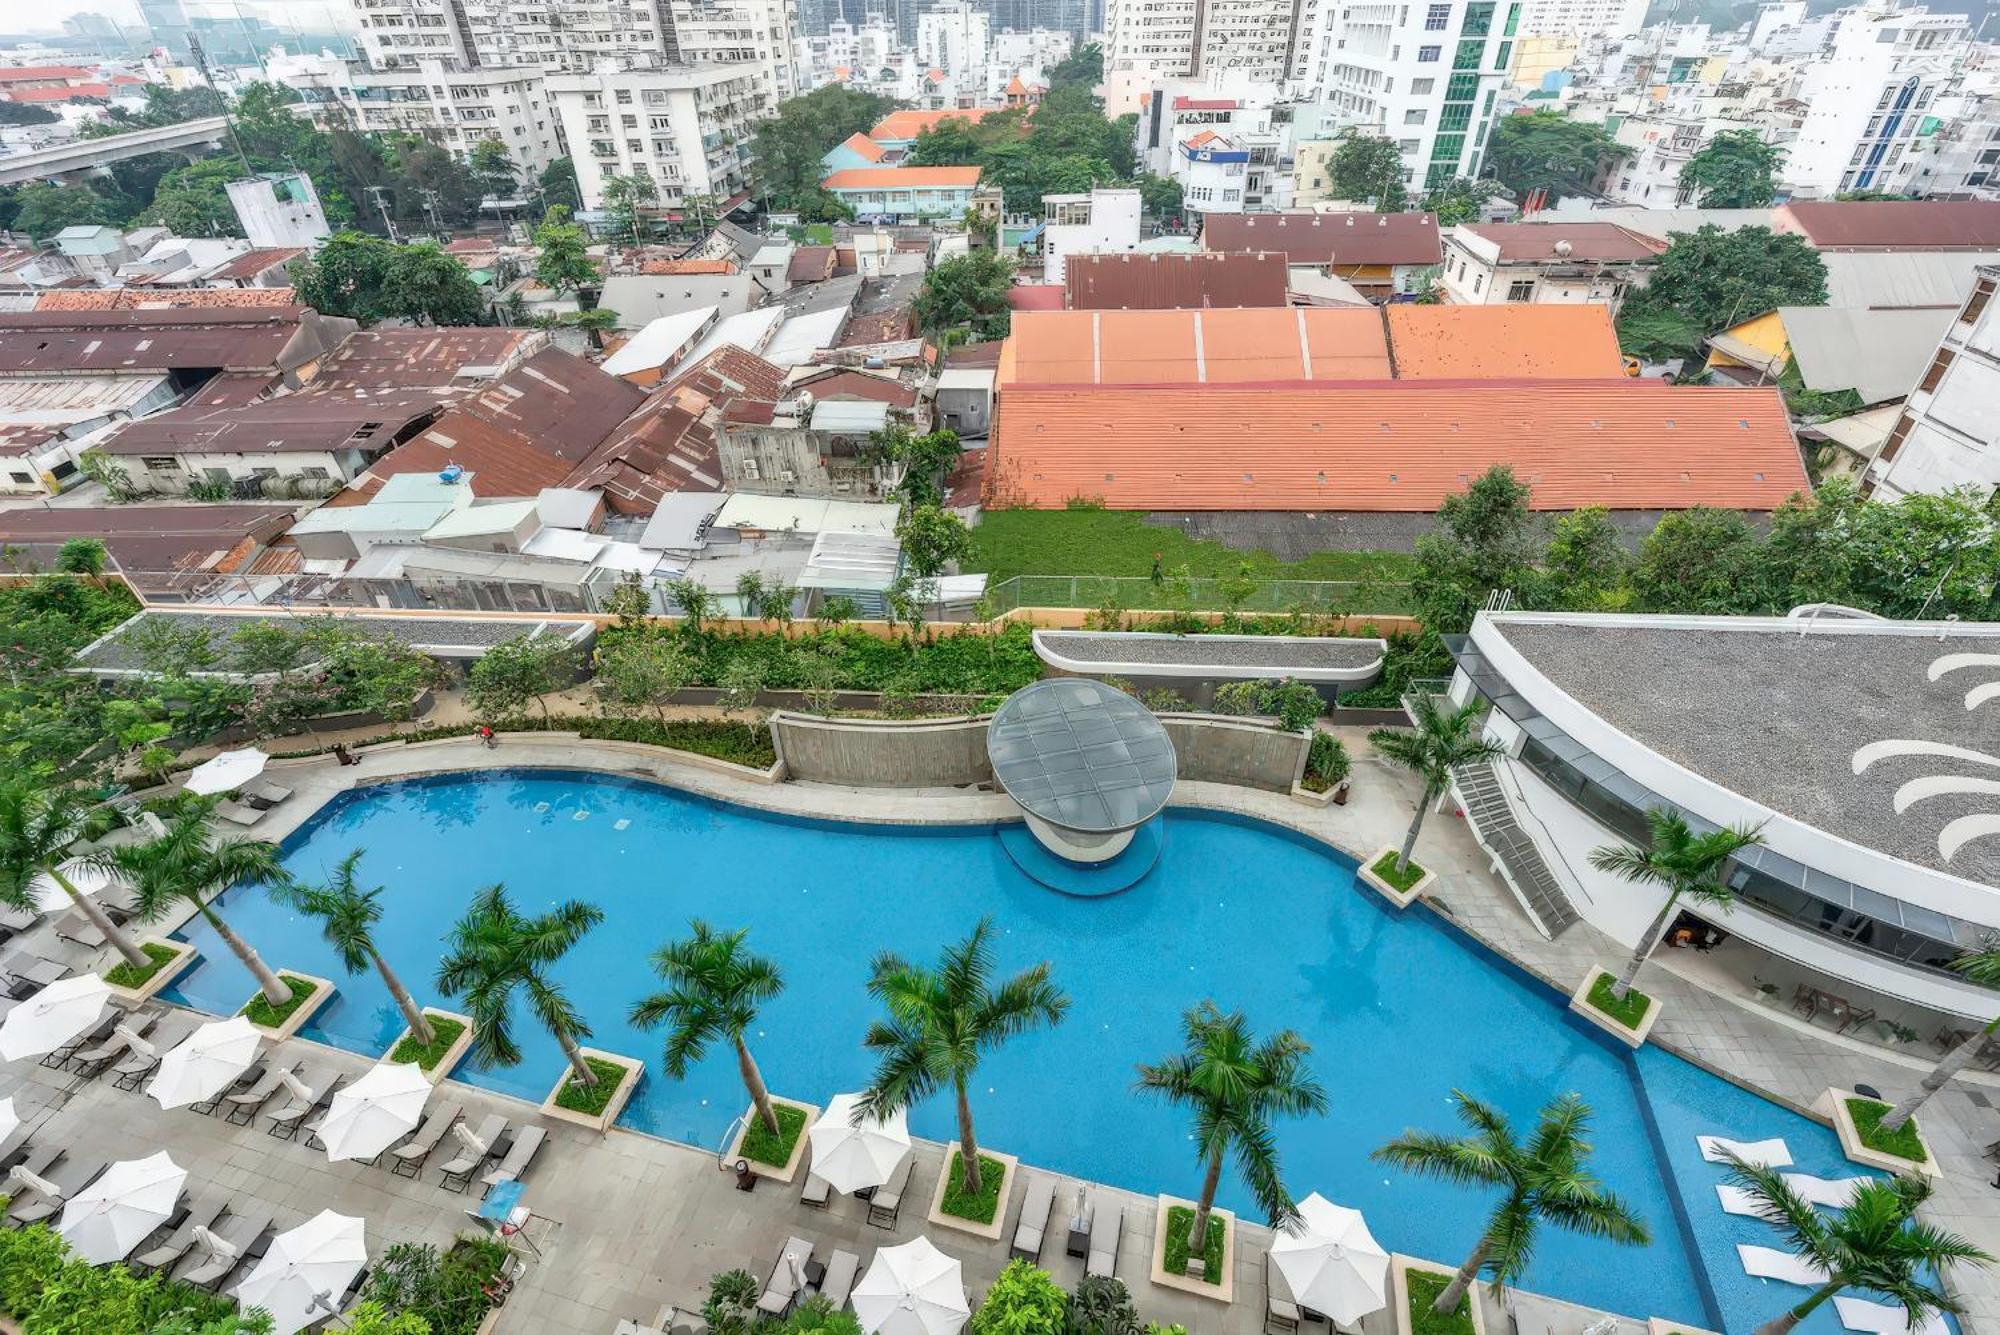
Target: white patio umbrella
[53, 1016]
[90, 881]
[207, 1062]
[851, 1157]
[107, 1219]
[302, 1277]
[1332, 1263]
[10, 1120]
[375, 1111]
[231, 769]
[914, 1289]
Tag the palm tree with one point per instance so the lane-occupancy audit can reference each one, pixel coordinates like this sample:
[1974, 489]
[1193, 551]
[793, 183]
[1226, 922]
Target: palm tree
[941, 1020]
[1235, 1085]
[1545, 1180]
[188, 863]
[494, 950]
[1982, 966]
[347, 916]
[1873, 1242]
[1442, 740]
[1687, 864]
[715, 988]
[39, 826]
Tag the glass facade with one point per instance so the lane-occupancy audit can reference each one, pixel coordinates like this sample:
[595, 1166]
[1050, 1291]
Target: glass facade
[1771, 882]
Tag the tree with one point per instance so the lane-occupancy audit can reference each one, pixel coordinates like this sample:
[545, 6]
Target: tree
[1737, 169]
[932, 538]
[43, 210]
[562, 258]
[432, 188]
[643, 670]
[696, 603]
[1657, 335]
[1714, 279]
[493, 169]
[347, 915]
[494, 952]
[626, 199]
[1875, 1242]
[1368, 168]
[1161, 196]
[189, 864]
[194, 200]
[967, 291]
[1082, 68]
[344, 277]
[1545, 150]
[558, 186]
[596, 322]
[789, 145]
[40, 827]
[1585, 564]
[424, 284]
[1024, 1300]
[1700, 560]
[1445, 737]
[1485, 539]
[1234, 1086]
[1687, 865]
[714, 990]
[1546, 1179]
[1982, 966]
[924, 460]
[518, 672]
[1459, 200]
[940, 1021]
[82, 556]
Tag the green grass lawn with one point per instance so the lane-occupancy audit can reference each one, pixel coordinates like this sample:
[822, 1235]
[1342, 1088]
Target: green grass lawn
[261, 1011]
[1628, 1010]
[1424, 1290]
[131, 975]
[444, 1033]
[759, 1144]
[1180, 1219]
[1404, 880]
[591, 1100]
[1120, 542]
[1902, 1142]
[961, 1204]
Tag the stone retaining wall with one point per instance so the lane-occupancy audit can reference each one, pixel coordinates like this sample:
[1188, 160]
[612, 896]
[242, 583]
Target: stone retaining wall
[1215, 748]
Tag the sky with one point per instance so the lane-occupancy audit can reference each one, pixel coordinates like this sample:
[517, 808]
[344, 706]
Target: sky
[48, 15]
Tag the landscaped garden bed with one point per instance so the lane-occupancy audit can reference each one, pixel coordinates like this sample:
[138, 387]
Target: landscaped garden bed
[1172, 1220]
[451, 1036]
[133, 983]
[774, 1156]
[282, 1021]
[595, 1106]
[448, 1290]
[1629, 1018]
[1399, 887]
[1425, 1319]
[1857, 1120]
[982, 1214]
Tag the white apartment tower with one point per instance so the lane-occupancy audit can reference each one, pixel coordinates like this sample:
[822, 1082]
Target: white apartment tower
[1148, 41]
[1869, 95]
[955, 37]
[686, 127]
[1583, 18]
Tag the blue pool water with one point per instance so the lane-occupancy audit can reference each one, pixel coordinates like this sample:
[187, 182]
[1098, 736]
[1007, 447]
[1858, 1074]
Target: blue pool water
[1400, 1009]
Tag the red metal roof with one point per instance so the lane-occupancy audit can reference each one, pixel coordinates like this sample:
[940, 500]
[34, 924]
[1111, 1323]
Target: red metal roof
[440, 356]
[1328, 238]
[166, 298]
[1887, 224]
[1035, 297]
[1529, 243]
[1394, 446]
[1173, 281]
[1206, 104]
[901, 178]
[254, 262]
[36, 73]
[316, 420]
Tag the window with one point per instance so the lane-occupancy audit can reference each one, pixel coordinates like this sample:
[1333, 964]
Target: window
[1413, 117]
[22, 479]
[1933, 376]
[1513, 19]
[1977, 305]
[1503, 58]
[1428, 54]
[1422, 87]
[1467, 56]
[1455, 116]
[624, 96]
[1461, 88]
[1521, 289]
[161, 463]
[1437, 18]
[1478, 20]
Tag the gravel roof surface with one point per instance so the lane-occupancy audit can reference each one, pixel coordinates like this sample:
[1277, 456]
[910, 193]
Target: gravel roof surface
[1777, 716]
[115, 650]
[1269, 651]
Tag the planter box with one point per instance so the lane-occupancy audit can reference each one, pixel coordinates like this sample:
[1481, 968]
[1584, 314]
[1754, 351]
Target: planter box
[634, 1068]
[321, 994]
[1580, 1003]
[1400, 1267]
[1402, 899]
[1655, 1326]
[791, 1168]
[1313, 799]
[452, 1055]
[1834, 1104]
[1009, 1170]
[184, 955]
[1223, 1292]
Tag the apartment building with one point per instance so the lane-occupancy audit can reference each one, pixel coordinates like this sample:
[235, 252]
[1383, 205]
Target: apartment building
[1237, 41]
[686, 127]
[956, 38]
[1870, 96]
[1583, 18]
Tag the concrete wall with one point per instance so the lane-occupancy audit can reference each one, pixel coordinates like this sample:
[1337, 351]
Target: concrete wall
[933, 753]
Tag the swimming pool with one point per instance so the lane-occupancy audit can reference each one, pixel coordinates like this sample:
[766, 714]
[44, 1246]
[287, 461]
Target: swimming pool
[1400, 1009]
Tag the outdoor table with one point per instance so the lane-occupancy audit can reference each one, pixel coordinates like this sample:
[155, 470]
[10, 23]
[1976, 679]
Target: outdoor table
[815, 1274]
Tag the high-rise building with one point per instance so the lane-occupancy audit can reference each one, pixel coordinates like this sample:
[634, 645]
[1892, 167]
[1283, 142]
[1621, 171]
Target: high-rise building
[1869, 96]
[1583, 18]
[688, 128]
[956, 37]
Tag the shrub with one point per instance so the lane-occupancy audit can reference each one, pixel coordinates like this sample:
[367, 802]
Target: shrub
[48, 1292]
[1327, 763]
[445, 1289]
[1022, 1301]
[1101, 1306]
[731, 1308]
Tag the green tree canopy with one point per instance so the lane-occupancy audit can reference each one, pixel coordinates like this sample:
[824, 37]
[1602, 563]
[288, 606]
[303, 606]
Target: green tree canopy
[42, 210]
[1368, 167]
[558, 186]
[1545, 150]
[1459, 200]
[791, 144]
[1713, 279]
[365, 278]
[627, 199]
[562, 259]
[1082, 67]
[194, 200]
[494, 169]
[967, 291]
[1737, 169]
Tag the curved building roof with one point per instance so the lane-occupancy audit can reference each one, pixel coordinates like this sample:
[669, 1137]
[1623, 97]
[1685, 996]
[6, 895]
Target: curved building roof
[1081, 755]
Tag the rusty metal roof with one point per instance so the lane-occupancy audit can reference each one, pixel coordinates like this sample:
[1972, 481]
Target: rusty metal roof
[318, 419]
[1328, 238]
[438, 357]
[1174, 281]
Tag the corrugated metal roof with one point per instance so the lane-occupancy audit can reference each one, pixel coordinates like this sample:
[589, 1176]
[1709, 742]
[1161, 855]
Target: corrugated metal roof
[661, 343]
[850, 415]
[1521, 341]
[902, 178]
[1524, 243]
[1328, 238]
[1884, 224]
[805, 514]
[1216, 347]
[1174, 282]
[852, 561]
[1880, 355]
[1906, 279]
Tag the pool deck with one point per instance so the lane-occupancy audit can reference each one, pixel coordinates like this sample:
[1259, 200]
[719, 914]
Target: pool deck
[628, 1223]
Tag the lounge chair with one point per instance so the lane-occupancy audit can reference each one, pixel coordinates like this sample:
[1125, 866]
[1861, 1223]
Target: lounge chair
[202, 1212]
[1770, 1263]
[240, 1234]
[36, 1162]
[242, 1107]
[73, 926]
[519, 1156]
[887, 1202]
[265, 794]
[14, 1146]
[1885, 1318]
[1830, 1191]
[285, 1123]
[787, 1277]
[1036, 1207]
[1107, 1221]
[169, 1033]
[1281, 1309]
[837, 1284]
[1757, 1153]
[238, 814]
[407, 1159]
[59, 1057]
[28, 974]
[817, 1192]
[457, 1173]
[252, 1075]
[68, 1177]
[116, 1048]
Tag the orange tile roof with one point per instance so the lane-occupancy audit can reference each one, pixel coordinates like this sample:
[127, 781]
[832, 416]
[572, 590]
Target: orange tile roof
[862, 144]
[1394, 447]
[1189, 347]
[900, 125]
[191, 298]
[653, 268]
[900, 178]
[1528, 342]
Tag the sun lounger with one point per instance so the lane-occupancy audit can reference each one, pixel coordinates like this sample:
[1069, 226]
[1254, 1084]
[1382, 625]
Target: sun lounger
[1885, 1318]
[1107, 1220]
[887, 1202]
[29, 974]
[238, 814]
[457, 1172]
[169, 1033]
[519, 1155]
[241, 1234]
[407, 1159]
[1756, 1153]
[241, 1108]
[787, 1277]
[59, 1057]
[115, 1048]
[318, 1088]
[68, 1177]
[1036, 1206]
[1770, 1263]
[818, 1191]
[13, 1147]
[252, 1076]
[1736, 1200]
[202, 1212]
[1281, 1310]
[73, 926]
[264, 793]
[38, 1162]
[1833, 1192]
[837, 1284]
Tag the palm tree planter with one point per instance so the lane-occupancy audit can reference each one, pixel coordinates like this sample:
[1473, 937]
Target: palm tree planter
[184, 954]
[1400, 1267]
[451, 1056]
[1009, 1170]
[1401, 898]
[788, 1170]
[1445, 737]
[321, 992]
[629, 1081]
[1837, 1106]
[1582, 1003]
[1222, 1290]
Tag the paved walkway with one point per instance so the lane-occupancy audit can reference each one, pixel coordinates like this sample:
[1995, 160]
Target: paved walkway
[633, 1223]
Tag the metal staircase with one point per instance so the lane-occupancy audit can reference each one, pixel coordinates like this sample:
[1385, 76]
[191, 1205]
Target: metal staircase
[1521, 864]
